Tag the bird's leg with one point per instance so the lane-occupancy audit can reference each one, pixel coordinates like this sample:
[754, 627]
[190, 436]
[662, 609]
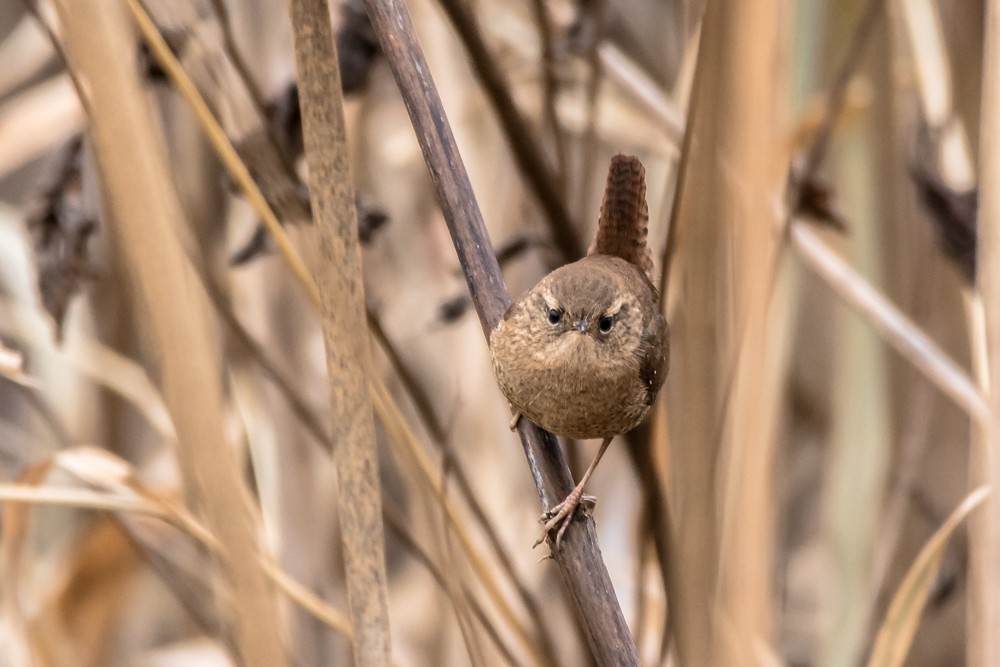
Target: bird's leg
[514, 420]
[564, 511]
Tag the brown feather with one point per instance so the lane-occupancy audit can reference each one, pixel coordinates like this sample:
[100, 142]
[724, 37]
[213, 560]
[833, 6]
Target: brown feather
[624, 223]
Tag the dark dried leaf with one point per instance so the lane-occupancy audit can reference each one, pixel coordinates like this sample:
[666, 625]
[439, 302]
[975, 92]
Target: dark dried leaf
[370, 220]
[60, 228]
[357, 47]
[286, 119]
[953, 215]
[515, 247]
[259, 244]
[816, 202]
[455, 307]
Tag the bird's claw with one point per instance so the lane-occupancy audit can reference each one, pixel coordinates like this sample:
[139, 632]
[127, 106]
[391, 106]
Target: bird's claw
[561, 515]
[514, 421]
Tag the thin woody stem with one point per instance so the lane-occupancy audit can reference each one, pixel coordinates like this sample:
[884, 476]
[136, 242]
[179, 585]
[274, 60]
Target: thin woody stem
[580, 564]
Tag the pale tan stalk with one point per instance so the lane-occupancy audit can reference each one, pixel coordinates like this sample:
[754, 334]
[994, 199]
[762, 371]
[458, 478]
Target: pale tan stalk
[984, 640]
[720, 421]
[144, 214]
[747, 521]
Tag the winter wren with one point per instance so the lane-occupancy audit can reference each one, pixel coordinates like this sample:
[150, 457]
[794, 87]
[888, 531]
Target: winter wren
[584, 352]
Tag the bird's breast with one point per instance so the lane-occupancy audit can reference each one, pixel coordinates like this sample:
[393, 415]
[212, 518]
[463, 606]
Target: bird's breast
[569, 389]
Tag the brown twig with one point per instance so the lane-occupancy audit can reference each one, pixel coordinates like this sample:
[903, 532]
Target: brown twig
[524, 145]
[579, 560]
[345, 335]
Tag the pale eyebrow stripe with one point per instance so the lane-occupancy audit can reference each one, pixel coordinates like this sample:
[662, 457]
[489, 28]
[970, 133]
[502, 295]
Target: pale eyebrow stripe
[550, 300]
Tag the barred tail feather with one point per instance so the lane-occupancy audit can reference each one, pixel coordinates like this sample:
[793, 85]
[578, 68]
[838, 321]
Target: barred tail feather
[624, 222]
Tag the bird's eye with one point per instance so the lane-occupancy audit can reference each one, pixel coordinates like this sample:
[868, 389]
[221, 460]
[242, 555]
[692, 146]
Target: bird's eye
[554, 315]
[605, 324]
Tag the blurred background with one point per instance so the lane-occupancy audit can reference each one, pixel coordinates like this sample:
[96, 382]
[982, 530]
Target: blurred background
[794, 467]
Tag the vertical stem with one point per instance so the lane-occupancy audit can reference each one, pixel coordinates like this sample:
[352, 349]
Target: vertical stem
[721, 422]
[984, 641]
[747, 514]
[345, 330]
[144, 214]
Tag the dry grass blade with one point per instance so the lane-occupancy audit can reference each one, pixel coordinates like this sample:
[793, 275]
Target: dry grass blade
[748, 503]
[93, 360]
[28, 51]
[118, 491]
[82, 498]
[345, 332]
[144, 211]
[223, 147]
[901, 621]
[12, 367]
[12, 547]
[36, 121]
[647, 93]
[925, 36]
[398, 526]
[307, 599]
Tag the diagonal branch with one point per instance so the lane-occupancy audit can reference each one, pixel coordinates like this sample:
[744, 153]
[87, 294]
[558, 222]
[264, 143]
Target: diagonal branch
[579, 560]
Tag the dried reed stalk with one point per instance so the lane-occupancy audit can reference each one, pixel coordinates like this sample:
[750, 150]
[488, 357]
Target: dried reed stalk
[722, 218]
[984, 641]
[144, 211]
[579, 560]
[752, 79]
[345, 331]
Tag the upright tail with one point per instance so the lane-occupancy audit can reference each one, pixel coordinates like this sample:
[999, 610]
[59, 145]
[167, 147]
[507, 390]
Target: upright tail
[624, 222]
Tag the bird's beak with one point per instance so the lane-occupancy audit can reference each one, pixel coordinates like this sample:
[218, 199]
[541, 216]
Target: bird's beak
[580, 325]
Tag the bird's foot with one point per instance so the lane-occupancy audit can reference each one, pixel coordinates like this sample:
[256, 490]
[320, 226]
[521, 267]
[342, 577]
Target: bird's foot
[514, 420]
[562, 514]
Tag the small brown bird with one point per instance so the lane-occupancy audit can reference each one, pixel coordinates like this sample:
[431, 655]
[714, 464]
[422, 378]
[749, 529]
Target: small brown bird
[584, 352]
